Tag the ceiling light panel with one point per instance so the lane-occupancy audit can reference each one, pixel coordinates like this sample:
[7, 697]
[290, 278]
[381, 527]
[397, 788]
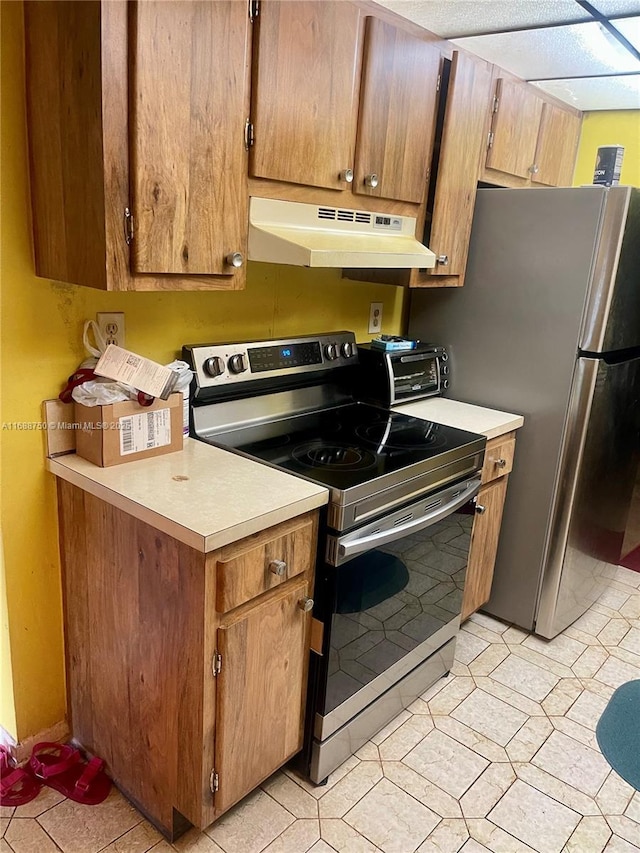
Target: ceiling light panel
[576, 50]
[630, 29]
[449, 18]
[597, 93]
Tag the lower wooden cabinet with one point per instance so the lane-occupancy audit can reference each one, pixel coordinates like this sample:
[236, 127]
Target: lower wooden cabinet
[486, 525]
[260, 692]
[192, 695]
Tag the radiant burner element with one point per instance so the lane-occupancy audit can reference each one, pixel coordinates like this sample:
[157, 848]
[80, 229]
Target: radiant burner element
[344, 457]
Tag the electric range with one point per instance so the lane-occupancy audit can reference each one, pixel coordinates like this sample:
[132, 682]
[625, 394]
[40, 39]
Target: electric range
[394, 539]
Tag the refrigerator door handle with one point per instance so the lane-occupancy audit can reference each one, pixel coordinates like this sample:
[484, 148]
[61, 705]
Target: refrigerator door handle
[564, 494]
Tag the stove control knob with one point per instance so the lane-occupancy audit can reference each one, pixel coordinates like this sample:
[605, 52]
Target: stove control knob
[348, 349]
[213, 366]
[444, 370]
[331, 351]
[236, 363]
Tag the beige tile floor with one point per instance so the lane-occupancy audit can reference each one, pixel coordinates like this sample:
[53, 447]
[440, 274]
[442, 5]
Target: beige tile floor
[500, 756]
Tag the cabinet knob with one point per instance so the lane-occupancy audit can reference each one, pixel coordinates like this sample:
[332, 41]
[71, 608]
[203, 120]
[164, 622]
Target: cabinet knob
[442, 260]
[371, 180]
[501, 463]
[480, 509]
[305, 604]
[347, 176]
[534, 169]
[235, 259]
[278, 567]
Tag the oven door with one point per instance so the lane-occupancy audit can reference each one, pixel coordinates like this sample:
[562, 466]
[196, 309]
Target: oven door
[390, 596]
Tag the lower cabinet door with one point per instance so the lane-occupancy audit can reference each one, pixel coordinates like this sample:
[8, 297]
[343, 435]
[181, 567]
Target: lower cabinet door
[484, 546]
[261, 690]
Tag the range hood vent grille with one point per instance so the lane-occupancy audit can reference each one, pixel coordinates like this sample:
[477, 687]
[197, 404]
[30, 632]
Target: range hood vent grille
[344, 215]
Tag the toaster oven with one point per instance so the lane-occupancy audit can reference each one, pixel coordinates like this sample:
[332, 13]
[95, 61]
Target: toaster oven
[391, 377]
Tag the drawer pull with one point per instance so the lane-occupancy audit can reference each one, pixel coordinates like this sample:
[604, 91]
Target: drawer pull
[278, 567]
[501, 463]
[305, 604]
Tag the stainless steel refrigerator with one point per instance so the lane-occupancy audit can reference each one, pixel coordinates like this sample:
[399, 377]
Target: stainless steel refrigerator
[548, 325]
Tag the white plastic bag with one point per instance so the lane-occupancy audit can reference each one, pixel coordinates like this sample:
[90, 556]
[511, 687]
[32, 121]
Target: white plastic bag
[183, 383]
[100, 343]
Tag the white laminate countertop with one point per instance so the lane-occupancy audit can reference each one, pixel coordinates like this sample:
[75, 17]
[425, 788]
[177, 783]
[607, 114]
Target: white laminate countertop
[203, 496]
[442, 410]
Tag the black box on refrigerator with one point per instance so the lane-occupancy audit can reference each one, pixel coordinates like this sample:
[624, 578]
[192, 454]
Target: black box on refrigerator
[608, 165]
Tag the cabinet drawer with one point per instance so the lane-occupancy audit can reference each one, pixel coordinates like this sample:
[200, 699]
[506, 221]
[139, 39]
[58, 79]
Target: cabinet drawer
[498, 457]
[266, 563]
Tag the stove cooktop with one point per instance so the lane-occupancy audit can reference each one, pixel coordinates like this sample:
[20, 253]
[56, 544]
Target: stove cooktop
[349, 445]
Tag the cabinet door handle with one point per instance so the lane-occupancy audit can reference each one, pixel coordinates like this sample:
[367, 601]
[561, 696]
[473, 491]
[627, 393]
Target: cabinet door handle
[534, 169]
[480, 509]
[442, 260]
[501, 463]
[305, 604]
[278, 567]
[346, 175]
[371, 181]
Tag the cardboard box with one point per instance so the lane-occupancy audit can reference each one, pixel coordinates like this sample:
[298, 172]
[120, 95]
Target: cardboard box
[123, 432]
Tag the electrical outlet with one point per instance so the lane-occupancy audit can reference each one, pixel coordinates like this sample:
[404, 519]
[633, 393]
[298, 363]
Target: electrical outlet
[111, 324]
[375, 318]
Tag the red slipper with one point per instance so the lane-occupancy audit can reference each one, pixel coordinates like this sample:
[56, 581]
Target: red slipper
[62, 768]
[17, 786]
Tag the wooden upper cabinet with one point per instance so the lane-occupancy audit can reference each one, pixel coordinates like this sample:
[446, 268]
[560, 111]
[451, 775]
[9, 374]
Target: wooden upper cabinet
[517, 111]
[138, 107]
[188, 111]
[397, 113]
[304, 93]
[461, 150]
[557, 145]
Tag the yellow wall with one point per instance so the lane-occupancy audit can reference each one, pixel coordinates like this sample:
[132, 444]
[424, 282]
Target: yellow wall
[41, 345]
[615, 127]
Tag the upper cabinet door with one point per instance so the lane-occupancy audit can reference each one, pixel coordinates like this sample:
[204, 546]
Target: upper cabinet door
[304, 92]
[515, 129]
[557, 145]
[397, 113]
[188, 92]
[463, 143]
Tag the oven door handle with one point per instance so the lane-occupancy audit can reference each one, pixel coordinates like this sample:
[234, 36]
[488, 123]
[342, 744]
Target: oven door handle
[349, 548]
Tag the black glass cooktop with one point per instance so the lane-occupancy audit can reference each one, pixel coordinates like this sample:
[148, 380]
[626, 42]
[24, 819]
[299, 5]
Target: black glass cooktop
[348, 445]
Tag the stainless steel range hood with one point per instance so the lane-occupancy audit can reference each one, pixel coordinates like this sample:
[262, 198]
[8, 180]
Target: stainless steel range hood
[308, 235]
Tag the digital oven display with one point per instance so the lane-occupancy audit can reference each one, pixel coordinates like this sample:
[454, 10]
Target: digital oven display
[282, 357]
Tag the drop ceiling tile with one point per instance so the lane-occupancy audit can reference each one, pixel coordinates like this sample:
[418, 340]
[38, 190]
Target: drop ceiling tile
[630, 29]
[597, 93]
[576, 50]
[450, 18]
[617, 7]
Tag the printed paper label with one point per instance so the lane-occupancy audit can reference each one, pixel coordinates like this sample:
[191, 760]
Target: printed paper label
[141, 373]
[144, 432]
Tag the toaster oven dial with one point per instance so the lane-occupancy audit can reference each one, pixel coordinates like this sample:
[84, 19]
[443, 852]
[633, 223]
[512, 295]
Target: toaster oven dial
[331, 351]
[348, 349]
[237, 363]
[213, 366]
[444, 370]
